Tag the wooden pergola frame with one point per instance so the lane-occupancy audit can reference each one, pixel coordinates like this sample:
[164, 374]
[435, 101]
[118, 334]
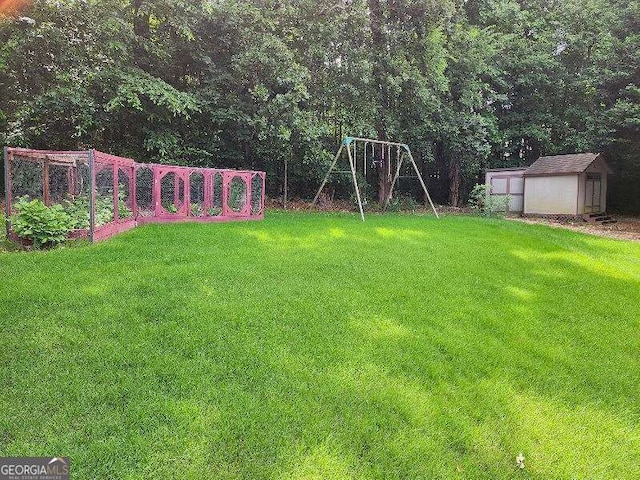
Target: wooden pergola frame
[402, 152]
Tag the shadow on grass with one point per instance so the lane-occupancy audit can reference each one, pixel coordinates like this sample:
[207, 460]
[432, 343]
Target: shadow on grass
[399, 348]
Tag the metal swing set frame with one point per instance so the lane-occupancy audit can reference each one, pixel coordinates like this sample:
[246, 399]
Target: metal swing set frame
[402, 154]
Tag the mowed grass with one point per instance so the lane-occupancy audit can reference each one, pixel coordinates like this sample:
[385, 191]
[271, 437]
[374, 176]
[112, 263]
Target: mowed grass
[316, 346]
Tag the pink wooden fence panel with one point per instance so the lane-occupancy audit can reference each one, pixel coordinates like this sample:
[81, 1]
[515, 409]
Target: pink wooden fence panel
[125, 193]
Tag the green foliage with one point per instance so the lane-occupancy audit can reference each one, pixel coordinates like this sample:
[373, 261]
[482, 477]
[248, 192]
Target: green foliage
[482, 203]
[136, 89]
[404, 203]
[249, 84]
[103, 210]
[43, 225]
[78, 208]
[3, 227]
[123, 210]
[237, 195]
[196, 209]
[78, 211]
[170, 207]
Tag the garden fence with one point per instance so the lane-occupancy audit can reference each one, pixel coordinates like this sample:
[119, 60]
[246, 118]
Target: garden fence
[105, 194]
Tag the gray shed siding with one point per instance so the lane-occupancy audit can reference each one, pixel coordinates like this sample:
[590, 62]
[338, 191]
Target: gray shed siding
[507, 182]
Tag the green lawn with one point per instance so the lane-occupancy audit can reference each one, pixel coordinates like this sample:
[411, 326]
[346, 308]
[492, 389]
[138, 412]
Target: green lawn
[317, 346]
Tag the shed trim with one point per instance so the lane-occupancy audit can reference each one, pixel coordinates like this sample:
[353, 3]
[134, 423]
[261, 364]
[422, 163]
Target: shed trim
[506, 169]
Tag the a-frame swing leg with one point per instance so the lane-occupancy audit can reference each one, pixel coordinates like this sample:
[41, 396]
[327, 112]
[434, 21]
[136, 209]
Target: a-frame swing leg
[326, 177]
[393, 183]
[424, 187]
[355, 182]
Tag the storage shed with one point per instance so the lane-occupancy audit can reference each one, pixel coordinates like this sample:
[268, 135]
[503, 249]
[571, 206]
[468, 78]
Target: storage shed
[508, 181]
[566, 185]
[574, 184]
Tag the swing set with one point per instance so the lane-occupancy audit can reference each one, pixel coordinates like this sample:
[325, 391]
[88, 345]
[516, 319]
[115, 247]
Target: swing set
[391, 155]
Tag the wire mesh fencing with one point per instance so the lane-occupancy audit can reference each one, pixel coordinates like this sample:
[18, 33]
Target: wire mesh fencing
[144, 191]
[104, 194]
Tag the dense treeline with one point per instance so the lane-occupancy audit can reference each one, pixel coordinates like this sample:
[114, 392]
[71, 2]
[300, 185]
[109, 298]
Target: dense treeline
[257, 83]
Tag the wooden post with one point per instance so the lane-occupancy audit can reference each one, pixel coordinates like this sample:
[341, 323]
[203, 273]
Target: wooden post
[248, 183]
[176, 190]
[187, 192]
[92, 195]
[116, 191]
[7, 189]
[208, 191]
[226, 178]
[45, 181]
[262, 192]
[70, 187]
[156, 192]
[133, 192]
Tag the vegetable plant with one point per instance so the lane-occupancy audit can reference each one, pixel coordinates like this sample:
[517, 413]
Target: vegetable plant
[171, 208]
[483, 203]
[78, 210]
[43, 225]
[196, 209]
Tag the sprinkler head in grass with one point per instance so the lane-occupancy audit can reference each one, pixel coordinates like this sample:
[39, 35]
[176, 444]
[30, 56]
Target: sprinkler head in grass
[520, 460]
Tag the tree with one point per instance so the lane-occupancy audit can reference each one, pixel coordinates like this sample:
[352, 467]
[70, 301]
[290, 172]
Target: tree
[268, 83]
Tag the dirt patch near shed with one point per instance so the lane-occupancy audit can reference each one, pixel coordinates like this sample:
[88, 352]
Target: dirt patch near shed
[626, 228]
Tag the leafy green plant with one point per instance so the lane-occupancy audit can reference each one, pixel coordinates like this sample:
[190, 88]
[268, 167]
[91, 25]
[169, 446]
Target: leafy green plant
[104, 210]
[402, 203]
[123, 210]
[485, 204]
[44, 226]
[171, 208]
[196, 209]
[78, 210]
[237, 195]
[104, 206]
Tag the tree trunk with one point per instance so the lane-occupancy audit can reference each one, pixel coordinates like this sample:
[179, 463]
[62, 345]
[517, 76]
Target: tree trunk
[140, 20]
[379, 47]
[454, 183]
[286, 183]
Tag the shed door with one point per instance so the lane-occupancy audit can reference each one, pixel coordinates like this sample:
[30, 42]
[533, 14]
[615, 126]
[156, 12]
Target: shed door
[592, 192]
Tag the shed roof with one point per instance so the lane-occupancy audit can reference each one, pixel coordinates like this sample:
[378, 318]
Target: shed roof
[563, 164]
[506, 169]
